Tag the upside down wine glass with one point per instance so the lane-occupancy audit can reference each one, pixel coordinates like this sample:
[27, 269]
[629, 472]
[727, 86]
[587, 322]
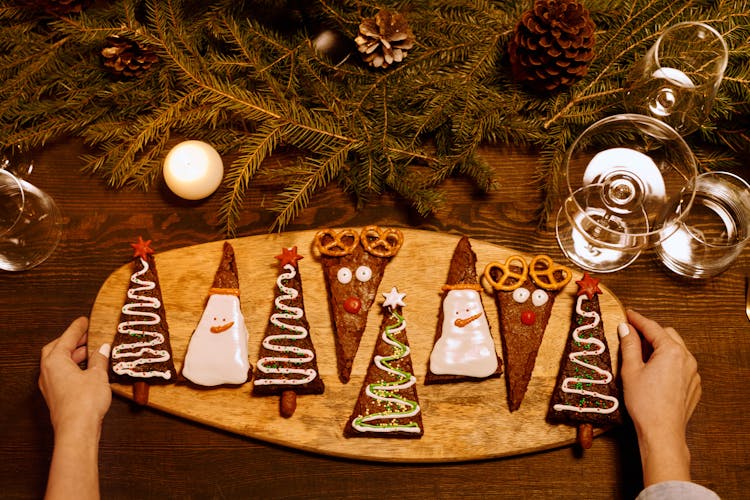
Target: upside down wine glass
[621, 172]
[30, 223]
[677, 79]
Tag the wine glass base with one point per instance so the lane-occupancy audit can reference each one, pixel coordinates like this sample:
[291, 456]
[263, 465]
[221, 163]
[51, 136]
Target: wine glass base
[586, 255]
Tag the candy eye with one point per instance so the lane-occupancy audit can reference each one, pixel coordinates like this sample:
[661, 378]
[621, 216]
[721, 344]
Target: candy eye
[364, 273]
[521, 295]
[344, 275]
[539, 298]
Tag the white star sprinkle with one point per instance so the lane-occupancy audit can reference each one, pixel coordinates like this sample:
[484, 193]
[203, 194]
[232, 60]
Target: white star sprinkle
[393, 298]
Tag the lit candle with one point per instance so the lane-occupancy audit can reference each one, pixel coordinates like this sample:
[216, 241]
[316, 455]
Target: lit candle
[193, 170]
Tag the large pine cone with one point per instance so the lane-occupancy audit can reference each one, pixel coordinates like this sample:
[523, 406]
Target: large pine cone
[126, 58]
[384, 39]
[552, 45]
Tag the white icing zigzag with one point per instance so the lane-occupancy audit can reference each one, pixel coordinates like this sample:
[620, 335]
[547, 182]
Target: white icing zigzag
[128, 350]
[575, 358]
[297, 355]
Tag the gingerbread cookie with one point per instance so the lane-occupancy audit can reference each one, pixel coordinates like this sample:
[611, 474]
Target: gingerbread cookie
[388, 405]
[586, 394]
[353, 265]
[524, 294]
[217, 353]
[464, 349]
[141, 350]
[287, 364]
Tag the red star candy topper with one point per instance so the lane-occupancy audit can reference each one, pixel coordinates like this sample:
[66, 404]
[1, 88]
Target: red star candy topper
[588, 285]
[289, 256]
[141, 248]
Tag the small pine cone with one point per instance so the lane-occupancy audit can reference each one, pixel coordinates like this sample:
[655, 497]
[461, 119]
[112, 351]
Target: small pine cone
[384, 39]
[126, 58]
[552, 45]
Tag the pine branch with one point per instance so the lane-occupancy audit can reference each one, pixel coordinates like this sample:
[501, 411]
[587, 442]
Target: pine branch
[315, 173]
[257, 148]
[249, 81]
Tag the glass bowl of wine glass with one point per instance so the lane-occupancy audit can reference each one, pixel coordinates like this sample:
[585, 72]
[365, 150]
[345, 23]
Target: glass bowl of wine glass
[677, 79]
[620, 174]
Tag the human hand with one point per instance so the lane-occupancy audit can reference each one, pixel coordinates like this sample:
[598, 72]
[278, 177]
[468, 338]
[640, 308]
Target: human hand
[660, 394]
[77, 399]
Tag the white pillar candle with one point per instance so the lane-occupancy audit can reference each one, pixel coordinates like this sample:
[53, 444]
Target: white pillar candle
[193, 170]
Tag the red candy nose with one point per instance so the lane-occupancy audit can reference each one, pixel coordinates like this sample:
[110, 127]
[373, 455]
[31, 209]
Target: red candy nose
[352, 305]
[528, 317]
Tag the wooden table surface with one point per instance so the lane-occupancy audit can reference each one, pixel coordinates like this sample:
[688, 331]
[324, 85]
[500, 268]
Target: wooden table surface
[149, 454]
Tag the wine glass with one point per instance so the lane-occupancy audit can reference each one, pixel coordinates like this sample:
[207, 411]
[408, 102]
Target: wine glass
[621, 172]
[30, 222]
[714, 233]
[677, 80]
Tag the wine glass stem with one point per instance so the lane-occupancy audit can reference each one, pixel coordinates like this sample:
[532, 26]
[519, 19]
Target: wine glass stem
[596, 233]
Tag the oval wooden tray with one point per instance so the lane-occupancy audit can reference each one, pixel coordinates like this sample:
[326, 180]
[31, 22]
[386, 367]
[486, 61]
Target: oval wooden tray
[466, 421]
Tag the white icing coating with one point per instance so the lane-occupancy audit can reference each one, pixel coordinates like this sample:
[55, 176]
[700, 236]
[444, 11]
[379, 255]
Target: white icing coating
[539, 298]
[147, 339]
[521, 295]
[394, 299]
[384, 392]
[297, 355]
[344, 275]
[465, 346]
[575, 358]
[218, 358]
[363, 273]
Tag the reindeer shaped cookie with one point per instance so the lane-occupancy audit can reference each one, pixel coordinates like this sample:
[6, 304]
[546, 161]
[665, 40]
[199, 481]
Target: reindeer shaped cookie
[524, 295]
[353, 265]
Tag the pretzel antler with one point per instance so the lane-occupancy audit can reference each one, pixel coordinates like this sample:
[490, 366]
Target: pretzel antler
[506, 273]
[336, 244]
[382, 242]
[548, 275]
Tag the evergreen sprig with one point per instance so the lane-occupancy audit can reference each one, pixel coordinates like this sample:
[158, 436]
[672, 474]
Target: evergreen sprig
[245, 77]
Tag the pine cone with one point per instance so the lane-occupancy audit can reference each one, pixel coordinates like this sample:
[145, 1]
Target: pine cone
[552, 45]
[126, 58]
[384, 39]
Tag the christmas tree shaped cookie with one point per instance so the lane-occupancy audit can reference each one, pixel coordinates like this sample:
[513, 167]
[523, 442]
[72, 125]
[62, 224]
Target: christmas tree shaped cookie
[353, 266]
[524, 294]
[585, 394]
[217, 353]
[141, 351]
[464, 349]
[388, 405]
[287, 365]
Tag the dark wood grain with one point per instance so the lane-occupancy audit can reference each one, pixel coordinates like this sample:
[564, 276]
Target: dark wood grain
[148, 454]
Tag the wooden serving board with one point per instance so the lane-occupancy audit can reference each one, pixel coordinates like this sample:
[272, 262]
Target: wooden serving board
[465, 421]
